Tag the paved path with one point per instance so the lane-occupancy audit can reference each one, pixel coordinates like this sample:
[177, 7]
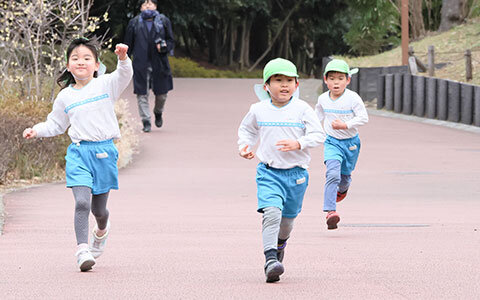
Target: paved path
[184, 224]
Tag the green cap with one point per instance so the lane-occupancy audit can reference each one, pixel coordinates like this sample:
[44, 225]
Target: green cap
[338, 65]
[279, 66]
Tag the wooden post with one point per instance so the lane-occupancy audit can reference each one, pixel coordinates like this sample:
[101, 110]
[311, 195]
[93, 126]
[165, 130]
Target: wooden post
[468, 64]
[431, 61]
[405, 39]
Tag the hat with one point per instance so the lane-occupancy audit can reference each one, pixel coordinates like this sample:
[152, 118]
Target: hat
[338, 65]
[279, 66]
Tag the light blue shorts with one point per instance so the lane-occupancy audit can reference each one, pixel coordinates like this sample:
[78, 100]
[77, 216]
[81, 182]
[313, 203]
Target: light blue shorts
[92, 164]
[346, 151]
[282, 188]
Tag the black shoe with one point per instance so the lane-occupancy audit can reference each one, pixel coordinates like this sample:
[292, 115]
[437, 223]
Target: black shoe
[273, 270]
[158, 120]
[147, 126]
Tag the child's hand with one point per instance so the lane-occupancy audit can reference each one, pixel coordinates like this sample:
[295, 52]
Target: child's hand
[121, 51]
[246, 154]
[29, 133]
[288, 145]
[338, 124]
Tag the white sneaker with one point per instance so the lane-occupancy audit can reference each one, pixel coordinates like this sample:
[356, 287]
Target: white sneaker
[97, 244]
[85, 259]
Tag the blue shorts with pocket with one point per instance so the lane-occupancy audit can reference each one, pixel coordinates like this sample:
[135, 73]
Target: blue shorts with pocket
[92, 164]
[346, 151]
[282, 188]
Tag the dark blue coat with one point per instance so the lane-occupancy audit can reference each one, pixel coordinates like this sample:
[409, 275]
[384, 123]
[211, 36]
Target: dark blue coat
[143, 51]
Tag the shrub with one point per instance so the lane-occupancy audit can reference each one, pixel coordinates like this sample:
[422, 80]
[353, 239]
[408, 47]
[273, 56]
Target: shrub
[109, 59]
[22, 159]
[44, 158]
[184, 67]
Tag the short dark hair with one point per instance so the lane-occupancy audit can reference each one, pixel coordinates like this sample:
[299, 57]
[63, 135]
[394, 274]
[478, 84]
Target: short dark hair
[153, 1]
[346, 74]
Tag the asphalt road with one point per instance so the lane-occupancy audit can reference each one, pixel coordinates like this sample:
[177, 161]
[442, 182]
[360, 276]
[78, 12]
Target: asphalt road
[185, 226]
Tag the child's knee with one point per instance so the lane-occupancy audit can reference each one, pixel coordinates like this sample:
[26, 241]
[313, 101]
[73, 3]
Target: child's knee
[82, 204]
[333, 170]
[272, 216]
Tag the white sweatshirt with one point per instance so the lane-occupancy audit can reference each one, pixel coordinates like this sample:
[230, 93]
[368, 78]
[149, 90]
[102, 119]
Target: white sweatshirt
[348, 108]
[270, 124]
[88, 111]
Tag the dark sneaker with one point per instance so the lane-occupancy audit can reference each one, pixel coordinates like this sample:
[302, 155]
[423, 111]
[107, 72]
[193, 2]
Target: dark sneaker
[147, 126]
[273, 270]
[158, 120]
[332, 219]
[341, 196]
[281, 252]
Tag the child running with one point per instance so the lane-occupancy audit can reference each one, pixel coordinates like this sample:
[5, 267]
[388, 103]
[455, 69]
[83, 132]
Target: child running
[342, 112]
[286, 127]
[86, 105]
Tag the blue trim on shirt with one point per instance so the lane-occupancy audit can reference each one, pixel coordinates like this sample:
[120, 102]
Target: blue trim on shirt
[281, 124]
[337, 111]
[289, 101]
[86, 101]
[338, 97]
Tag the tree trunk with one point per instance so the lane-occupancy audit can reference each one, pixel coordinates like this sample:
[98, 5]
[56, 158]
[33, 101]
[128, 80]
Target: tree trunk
[286, 42]
[246, 50]
[454, 13]
[276, 35]
[187, 41]
[417, 26]
[231, 49]
[214, 41]
[241, 57]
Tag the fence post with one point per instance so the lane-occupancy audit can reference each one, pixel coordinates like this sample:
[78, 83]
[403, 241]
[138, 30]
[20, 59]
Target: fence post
[407, 94]
[468, 64]
[389, 91]
[397, 92]
[466, 96]
[380, 91]
[476, 105]
[412, 64]
[419, 95]
[431, 61]
[354, 83]
[453, 101]
[431, 97]
[442, 96]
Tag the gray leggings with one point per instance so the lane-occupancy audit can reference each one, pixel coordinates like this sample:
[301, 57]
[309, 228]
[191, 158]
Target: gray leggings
[275, 227]
[98, 204]
[144, 107]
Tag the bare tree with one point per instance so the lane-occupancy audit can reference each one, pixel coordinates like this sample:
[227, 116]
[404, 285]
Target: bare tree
[454, 12]
[417, 26]
[33, 38]
[279, 30]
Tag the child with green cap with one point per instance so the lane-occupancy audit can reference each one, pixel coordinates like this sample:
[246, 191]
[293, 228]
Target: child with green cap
[285, 127]
[342, 111]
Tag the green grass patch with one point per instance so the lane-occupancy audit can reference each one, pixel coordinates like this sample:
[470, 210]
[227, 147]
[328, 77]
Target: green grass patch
[449, 48]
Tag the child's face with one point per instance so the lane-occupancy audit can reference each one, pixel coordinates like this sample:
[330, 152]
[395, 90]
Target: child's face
[82, 63]
[336, 83]
[281, 88]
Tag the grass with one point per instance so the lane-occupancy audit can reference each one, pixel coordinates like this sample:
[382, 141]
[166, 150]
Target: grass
[449, 48]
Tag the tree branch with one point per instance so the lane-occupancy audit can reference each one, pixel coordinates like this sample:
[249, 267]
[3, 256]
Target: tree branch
[276, 36]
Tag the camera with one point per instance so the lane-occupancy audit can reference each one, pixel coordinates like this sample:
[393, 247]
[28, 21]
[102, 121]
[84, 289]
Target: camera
[163, 45]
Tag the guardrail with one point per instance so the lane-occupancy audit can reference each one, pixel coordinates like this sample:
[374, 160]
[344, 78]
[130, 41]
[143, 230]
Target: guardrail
[429, 97]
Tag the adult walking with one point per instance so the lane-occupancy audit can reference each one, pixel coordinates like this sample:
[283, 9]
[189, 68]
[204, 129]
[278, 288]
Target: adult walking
[150, 39]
